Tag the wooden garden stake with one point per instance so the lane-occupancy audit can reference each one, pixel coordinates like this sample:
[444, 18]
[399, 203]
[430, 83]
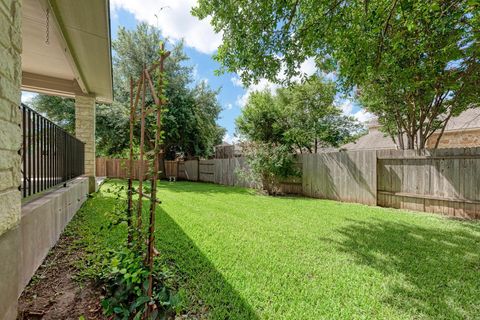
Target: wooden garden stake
[133, 107]
[153, 196]
[130, 167]
[142, 163]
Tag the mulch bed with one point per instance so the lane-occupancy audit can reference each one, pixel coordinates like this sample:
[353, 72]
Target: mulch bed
[53, 293]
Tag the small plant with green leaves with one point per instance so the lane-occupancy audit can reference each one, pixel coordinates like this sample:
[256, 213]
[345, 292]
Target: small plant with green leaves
[125, 279]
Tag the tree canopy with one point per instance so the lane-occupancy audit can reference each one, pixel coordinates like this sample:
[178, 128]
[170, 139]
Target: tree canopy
[413, 63]
[192, 109]
[301, 116]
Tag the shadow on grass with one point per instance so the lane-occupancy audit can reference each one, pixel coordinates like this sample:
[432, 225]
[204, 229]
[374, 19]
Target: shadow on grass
[440, 269]
[212, 295]
[208, 287]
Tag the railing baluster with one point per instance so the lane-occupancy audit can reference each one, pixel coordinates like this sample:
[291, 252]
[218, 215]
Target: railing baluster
[34, 153]
[41, 155]
[50, 155]
[56, 154]
[29, 155]
[24, 163]
[38, 184]
[65, 169]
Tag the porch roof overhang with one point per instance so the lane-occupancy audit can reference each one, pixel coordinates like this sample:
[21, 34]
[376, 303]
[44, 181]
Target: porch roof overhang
[67, 48]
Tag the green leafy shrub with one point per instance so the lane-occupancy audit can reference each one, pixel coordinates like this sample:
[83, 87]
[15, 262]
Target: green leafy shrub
[125, 279]
[270, 164]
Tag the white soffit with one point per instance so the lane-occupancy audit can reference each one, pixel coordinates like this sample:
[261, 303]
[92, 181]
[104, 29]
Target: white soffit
[77, 58]
[38, 57]
[86, 29]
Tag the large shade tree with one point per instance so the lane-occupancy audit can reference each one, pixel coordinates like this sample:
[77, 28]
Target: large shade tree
[414, 63]
[192, 109]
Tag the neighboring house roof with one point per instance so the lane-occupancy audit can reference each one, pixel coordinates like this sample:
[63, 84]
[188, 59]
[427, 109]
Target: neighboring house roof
[377, 140]
[223, 144]
[373, 140]
[467, 120]
[238, 149]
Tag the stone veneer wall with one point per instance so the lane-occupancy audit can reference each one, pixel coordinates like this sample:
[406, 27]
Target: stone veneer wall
[10, 162]
[10, 117]
[456, 139]
[85, 131]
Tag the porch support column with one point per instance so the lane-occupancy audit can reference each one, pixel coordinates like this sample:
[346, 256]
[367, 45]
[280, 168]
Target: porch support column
[85, 131]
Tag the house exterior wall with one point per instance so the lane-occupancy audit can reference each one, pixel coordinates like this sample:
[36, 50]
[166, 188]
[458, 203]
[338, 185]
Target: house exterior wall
[456, 139]
[10, 132]
[85, 131]
[10, 162]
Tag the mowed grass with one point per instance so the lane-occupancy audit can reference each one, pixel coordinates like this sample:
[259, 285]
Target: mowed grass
[241, 255]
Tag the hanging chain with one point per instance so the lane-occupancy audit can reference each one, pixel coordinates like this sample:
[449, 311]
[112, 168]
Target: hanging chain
[47, 27]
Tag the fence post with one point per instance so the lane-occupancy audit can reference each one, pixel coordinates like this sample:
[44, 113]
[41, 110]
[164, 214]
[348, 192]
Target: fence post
[198, 169]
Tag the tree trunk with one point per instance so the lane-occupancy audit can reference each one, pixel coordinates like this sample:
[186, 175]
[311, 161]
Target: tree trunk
[410, 141]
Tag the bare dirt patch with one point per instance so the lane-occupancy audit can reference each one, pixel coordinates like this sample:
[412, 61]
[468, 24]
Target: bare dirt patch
[53, 292]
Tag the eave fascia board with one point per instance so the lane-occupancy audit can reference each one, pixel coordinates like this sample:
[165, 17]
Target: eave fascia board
[50, 85]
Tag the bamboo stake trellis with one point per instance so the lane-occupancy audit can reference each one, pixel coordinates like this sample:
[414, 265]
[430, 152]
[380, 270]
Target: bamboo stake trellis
[156, 109]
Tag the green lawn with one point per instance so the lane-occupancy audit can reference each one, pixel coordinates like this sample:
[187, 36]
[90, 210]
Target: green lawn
[246, 256]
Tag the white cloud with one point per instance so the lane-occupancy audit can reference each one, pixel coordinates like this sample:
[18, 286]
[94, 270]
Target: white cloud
[262, 85]
[363, 116]
[236, 81]
[331, 76]
[174, 20]
[232, 139]
[229, 106]
[307, 68]
[347, 107]
[28, 96]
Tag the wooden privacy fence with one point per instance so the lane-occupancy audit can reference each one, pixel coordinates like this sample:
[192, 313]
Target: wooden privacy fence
[118, 168]
[220, 171]
[342, 176]
[445, 181]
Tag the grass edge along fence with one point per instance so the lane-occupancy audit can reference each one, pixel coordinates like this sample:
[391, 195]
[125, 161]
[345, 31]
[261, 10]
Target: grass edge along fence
[443, 181]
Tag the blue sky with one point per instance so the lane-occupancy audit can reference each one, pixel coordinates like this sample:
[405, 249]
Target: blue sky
[174, 20]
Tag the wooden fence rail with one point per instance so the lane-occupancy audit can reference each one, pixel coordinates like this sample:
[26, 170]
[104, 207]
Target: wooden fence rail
[445, 181]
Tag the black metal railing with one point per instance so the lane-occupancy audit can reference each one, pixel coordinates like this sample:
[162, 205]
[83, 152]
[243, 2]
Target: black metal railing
[50, 155]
